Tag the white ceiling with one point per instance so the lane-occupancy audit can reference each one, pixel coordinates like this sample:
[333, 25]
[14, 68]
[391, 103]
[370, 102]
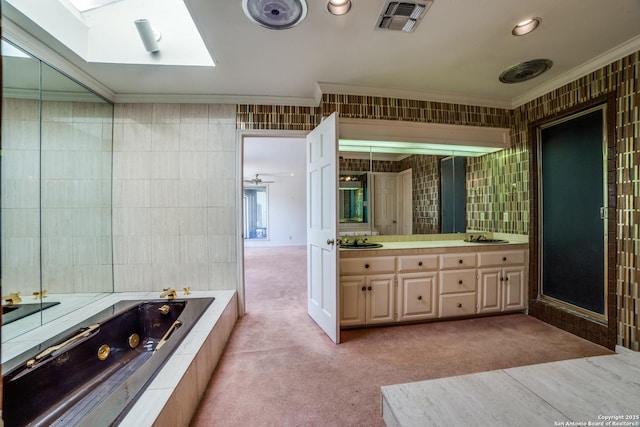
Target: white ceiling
[456, 54]
[274, 159]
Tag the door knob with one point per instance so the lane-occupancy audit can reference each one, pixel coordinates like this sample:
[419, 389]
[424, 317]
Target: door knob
[330, 242]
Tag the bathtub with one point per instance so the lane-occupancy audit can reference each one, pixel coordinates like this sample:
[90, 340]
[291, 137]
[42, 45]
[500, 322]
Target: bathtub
[92, 373]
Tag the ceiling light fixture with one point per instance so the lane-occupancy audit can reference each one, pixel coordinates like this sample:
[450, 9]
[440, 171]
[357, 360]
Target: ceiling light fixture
[526, 26]
[339, 7]
[149, 37]
[275, 14]
[525, 71]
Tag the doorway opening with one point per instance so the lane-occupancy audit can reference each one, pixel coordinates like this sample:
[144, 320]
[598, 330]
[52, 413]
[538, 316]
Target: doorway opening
[274, 219]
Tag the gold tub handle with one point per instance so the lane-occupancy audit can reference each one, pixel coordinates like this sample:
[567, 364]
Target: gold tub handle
[53, 348]
[167, 334]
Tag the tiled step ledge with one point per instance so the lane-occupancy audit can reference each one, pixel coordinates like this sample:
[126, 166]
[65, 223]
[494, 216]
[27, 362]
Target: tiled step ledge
[173, 396]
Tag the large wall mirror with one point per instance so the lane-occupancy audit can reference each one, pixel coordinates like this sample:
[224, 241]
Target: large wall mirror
[55, 193]
[407, 178]
[401, 194]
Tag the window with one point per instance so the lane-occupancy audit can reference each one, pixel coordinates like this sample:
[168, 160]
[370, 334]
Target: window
[255, 201]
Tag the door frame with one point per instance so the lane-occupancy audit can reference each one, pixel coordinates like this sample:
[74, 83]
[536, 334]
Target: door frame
[603, 332]
[241, 134]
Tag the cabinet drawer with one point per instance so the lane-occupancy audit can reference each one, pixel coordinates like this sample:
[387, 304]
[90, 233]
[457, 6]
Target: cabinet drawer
[417, 263]
[373, 265]
[458, 281]
[462, 304]
[448, 261]
[501, 258]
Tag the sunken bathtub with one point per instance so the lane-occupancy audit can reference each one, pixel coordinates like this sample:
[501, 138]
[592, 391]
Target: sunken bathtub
[92, 373]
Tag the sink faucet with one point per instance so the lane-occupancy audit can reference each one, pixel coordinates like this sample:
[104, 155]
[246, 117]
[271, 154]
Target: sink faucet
[169, 293]
[13, 298]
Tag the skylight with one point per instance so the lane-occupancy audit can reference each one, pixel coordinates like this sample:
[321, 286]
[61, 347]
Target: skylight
[108, 35]
[86, 5]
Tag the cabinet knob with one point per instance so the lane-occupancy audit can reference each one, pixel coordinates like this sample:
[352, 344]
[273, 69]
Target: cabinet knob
[506, 279]
[459, 261]
[419, 297]
[364, 288]
[459, 305]
[366, 266]
[420, 263]
[502, 279]
[369, 288]
[459, 282]
[504, 258]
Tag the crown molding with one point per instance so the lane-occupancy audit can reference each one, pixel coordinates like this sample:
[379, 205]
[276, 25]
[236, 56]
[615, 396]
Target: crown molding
[612, 55]
[448, 97]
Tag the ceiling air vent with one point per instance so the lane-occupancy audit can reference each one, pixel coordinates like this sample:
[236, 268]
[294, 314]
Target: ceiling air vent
[401, 16]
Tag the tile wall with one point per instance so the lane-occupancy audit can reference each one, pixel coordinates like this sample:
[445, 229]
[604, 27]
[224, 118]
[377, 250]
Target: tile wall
[500, 183]
[63, 220]
[174, 197]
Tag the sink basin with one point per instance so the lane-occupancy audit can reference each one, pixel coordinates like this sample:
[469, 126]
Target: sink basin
[361, 245]
[487, 241]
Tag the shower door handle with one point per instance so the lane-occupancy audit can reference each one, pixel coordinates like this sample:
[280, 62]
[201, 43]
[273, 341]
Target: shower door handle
[603, 213]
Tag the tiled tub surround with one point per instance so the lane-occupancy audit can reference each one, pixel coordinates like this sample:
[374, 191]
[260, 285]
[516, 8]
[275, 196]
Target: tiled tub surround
[174, 197]
[490, 179]
[173, 395]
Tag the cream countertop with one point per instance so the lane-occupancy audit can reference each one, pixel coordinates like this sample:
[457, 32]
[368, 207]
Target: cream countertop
[437, 242]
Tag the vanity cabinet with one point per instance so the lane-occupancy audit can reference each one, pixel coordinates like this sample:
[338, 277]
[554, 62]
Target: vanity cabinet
[429, 285]
[458, 284]
[417, 287]
[501, 281]
[367, 291]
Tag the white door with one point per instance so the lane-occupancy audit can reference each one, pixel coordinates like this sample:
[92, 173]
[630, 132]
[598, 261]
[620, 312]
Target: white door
[385, 203]
[322, 252]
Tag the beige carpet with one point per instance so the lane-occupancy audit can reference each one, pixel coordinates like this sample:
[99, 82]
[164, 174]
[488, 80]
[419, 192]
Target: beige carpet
[279, 369]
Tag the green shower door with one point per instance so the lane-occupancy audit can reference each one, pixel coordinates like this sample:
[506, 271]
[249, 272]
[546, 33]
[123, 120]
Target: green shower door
[573, 184]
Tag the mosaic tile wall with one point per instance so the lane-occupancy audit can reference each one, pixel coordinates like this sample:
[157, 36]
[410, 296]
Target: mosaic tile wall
[426, 192]
[498, 191]
[491, 179]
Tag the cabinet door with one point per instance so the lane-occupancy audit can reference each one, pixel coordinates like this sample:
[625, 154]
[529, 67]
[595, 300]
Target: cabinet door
[380, 298]
[353, 293]
[417, 296]
[490, 297]
[513, 288]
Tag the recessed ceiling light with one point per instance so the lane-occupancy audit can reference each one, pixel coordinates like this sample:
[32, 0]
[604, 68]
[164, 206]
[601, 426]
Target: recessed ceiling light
[526, 26]
[339, 7]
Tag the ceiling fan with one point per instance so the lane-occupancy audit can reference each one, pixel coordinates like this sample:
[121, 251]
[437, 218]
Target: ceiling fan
[257, 180]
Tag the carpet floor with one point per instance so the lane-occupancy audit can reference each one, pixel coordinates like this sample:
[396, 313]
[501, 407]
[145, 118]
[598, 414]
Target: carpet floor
[280, 369]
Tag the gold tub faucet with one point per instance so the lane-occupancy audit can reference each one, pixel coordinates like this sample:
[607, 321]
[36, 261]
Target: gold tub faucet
[169, 293]
[40, 295]
[13, 298]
